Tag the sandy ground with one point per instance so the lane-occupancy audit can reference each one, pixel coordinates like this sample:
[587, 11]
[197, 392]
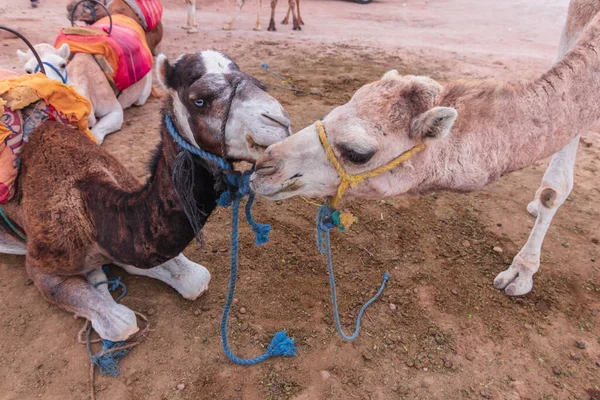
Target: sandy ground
[451, 334]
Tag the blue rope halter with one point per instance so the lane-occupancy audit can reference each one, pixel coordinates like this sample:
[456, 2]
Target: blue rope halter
[325, 222]
[64, 78]
[238, 187]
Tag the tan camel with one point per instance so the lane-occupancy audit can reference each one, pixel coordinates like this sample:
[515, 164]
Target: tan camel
[473, 132]
[91, 12]
[90, 81]
[84, 210]
[292, 7]
[191, 26]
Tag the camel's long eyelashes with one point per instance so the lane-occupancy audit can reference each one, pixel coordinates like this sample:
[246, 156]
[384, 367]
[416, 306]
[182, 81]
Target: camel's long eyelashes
[356, 157]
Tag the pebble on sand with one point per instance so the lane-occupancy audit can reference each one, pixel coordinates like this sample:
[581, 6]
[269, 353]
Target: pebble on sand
[325, 375]
[242, 310]
[393, 307]
[181, 386]
[498, 249]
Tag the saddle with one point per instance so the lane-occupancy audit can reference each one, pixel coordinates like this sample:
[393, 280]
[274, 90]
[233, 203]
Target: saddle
[123, 54]
[148, 11]
[26, 102]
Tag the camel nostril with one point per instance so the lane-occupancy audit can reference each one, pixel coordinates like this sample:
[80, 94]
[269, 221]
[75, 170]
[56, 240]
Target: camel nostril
[265, 170]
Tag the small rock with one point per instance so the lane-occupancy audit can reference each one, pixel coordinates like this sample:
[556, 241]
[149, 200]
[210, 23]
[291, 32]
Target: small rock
[366, 356]
[181, 386]
[22, 321]
[235, 300]
[448, 364]
[466, 243]
[485, 394]
[498, 249]
[454, 292]
[580, 345]
[392, 307]
[206, 307]
[238, 389]
[425, 369]
[347, 270]
[595, 241]
[242, 310]
[566, 244]
[151, 311]
[197, 312]
[556, 371]
[470, 357]
[576, 356]
[325, 375]
[410, 363]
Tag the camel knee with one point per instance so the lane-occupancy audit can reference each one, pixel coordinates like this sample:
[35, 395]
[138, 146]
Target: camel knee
[551, 197]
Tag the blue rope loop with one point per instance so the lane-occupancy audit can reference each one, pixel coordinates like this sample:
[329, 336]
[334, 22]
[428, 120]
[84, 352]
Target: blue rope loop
[325, 223]
[64, 78]
[12, 226]
[108, 364]
[238, 187]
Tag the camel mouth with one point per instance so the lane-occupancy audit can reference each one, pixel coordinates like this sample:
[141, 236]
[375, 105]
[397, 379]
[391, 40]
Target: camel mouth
[254, 145]
[284, 192]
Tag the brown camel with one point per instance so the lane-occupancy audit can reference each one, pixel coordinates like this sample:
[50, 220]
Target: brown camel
[91, 12]
[473, 133]
[80, 208]
[293, 6]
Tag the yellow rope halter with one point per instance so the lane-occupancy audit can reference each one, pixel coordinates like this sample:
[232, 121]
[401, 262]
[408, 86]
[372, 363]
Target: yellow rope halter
[355, 180]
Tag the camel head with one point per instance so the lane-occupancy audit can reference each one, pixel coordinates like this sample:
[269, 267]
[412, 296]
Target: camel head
[49, 55]
[220, 109]
[88, 12]
[383, 120]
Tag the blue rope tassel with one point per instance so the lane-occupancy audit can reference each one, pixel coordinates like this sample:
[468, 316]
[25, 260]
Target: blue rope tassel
[238, 184]
[324, 225]
[108, 364]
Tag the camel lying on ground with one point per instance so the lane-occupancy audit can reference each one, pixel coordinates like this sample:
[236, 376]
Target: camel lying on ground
[84, 71]
[293, 6]
[91, 12]
[84, 210]
[473, 133]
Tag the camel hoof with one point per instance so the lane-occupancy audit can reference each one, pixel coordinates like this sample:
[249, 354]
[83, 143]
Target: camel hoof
[186, 27]
[116, 324]
[533, 208]
[227, 27]
[520, 286]
[285, 22]
[298, 28]
[258, 28]
[193, 30]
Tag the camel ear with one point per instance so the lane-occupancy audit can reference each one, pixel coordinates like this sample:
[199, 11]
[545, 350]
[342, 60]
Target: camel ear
[435, 123]
[390, 74]
[64, 51]
[23, 56]
[162, 69]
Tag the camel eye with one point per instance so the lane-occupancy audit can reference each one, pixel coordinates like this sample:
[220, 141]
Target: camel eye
[28, 71]
[199, 103]
[62, 65]
[356, 157]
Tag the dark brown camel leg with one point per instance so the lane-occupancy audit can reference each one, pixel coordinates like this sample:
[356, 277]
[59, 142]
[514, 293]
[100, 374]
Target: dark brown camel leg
[78, 295]
[286, 20]
[297, 26]
[272, 22]
[299, 16]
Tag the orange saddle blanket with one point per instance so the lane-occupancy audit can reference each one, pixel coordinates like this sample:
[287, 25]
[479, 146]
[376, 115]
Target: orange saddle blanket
[123, 54]
[26, 102]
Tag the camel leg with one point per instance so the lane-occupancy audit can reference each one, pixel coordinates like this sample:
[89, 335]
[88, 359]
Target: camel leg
[258, 8]
[194, 23]
[191, 11]
[286, 20]
[300, 21]
[146, 91]
[108, 123]
[78, 295]
[556, 185]
[188, 278]
[297, 26]
[272, 21]
[239, 4]
[192, 17]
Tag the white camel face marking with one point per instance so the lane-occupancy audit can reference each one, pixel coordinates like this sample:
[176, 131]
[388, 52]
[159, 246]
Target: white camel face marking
[56, 57]
[215, 62]
[382, 120]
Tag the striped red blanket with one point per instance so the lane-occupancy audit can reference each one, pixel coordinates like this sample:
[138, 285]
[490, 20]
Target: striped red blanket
[149, 12]
[124, 54]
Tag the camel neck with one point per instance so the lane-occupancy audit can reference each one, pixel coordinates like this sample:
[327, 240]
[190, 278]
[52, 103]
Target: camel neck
[149, 226]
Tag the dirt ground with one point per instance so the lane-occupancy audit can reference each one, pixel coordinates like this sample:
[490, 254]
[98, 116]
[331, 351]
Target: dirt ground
[451, 335]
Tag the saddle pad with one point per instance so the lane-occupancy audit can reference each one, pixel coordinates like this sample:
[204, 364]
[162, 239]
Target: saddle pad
[125, 52]
[148, 11]
[27, 102]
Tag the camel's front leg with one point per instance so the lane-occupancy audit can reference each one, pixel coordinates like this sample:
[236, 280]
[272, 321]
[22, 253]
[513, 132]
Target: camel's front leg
[191, 15]
[185, 276]
[296, 24]
[146, 91]
[300, 20]
[108, 123]
[258, 8]
[239, 4]
[272, 21]
[286, 20]
[76, 294]
[556, 185]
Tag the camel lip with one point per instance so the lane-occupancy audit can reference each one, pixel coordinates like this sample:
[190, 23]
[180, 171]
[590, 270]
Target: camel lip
[287, 188]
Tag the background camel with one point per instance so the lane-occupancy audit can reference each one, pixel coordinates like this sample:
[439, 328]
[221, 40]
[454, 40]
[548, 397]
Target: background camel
[473, 131]
[91, 12]
[90, 81]
[85, 210]
[293, 6]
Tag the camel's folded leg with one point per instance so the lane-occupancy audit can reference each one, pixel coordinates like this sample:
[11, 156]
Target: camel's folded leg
[556, 186]
[185, 276]
[76, 294]
[108, 123]
[146, 91]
